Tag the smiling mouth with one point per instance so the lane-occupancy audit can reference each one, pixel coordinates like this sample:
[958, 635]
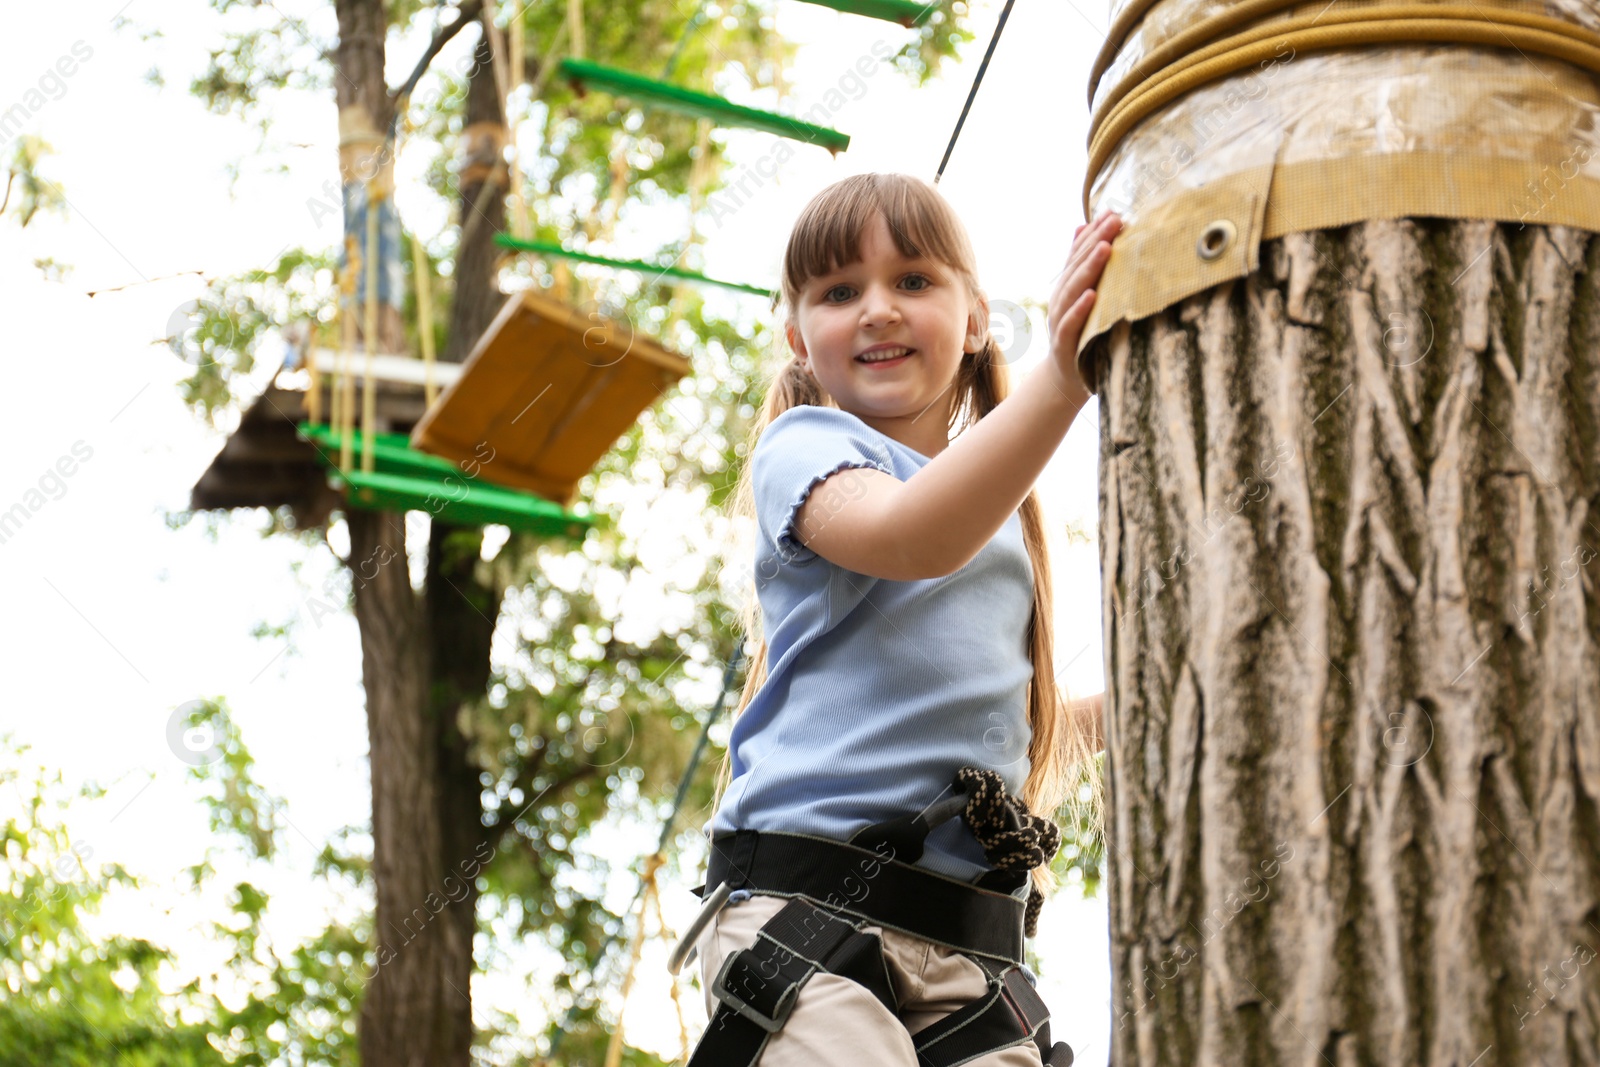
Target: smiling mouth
[887, 355]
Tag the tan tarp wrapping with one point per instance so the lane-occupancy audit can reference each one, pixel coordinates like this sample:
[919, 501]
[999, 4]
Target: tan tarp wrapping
[1313, 140]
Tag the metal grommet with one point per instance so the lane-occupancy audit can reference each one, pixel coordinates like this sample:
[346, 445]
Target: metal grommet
[1215, 239]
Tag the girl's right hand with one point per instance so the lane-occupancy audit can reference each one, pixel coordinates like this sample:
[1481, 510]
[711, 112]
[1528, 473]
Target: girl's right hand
[1073, 296]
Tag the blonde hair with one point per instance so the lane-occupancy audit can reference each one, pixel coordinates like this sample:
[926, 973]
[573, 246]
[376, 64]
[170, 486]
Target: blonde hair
[826, 236]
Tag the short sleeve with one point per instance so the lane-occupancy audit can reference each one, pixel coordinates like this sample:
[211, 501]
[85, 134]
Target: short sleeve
[799, 450]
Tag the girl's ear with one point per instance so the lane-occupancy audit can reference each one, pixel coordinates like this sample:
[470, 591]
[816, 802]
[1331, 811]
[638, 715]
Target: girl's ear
[977, 324]
[797, 343]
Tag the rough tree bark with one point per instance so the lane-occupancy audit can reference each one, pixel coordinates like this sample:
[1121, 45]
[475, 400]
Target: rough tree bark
[424, 655]
[461, 610]
[1348, 512]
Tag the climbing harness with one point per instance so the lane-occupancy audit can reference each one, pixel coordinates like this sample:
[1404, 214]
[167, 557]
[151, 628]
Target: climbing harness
[837, 889]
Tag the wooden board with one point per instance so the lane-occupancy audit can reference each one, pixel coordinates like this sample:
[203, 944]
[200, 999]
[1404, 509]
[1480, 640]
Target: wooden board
[547, 391]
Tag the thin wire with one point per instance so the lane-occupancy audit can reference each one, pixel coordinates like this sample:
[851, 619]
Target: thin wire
[1005, 14]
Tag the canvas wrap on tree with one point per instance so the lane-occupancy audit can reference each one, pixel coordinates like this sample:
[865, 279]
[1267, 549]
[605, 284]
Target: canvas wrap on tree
[1328, 114]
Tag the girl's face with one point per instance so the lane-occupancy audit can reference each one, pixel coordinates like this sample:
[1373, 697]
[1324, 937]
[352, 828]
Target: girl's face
[915, 309]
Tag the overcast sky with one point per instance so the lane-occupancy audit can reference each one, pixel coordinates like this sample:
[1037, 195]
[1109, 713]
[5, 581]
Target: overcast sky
[115, 620]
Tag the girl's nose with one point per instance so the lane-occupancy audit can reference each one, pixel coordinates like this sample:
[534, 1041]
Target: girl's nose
[878, 307]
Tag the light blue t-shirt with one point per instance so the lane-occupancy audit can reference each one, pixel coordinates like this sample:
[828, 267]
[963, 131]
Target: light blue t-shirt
[877, 691]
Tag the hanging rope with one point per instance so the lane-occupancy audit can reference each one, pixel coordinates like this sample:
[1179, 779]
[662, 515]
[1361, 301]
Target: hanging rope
[345, 383]
[423, 278]
[683, 39]
[369, 391]
[972, 95]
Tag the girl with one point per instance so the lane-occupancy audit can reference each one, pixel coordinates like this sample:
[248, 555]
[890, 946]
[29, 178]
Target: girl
[905, 670]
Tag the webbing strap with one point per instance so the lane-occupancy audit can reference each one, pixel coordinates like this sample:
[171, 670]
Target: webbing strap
[870, 885]
[759, 986]
[1010, 1013]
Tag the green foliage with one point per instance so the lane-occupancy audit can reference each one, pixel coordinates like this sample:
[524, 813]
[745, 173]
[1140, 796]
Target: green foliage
[238, 806]
[27, 191]
[219, 333]
[72, 1000]
[302, 1006]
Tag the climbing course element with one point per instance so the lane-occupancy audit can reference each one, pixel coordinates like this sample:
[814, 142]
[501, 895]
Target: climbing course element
[396, 477]
[653, 269]
[1252, 120]
[585, 75]
[545, 393]
[907, 13]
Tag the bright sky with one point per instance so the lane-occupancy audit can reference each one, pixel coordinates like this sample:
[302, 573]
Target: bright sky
[117, 620]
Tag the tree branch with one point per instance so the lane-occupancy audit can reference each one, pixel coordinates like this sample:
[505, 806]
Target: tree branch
[465, 14]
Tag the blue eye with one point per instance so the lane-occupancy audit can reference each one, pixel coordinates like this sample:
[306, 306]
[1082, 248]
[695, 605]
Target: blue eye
[829, 294]
[922, 277]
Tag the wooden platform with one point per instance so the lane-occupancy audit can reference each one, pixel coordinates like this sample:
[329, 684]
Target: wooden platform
[265, 464]
[547, 391]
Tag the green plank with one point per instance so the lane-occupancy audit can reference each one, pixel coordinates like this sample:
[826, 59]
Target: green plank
[546, 248]
[700, 105]
[906, 12]
[391, 453]
[469, 505]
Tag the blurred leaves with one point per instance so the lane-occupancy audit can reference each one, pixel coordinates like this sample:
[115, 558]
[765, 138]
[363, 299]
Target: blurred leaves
[28, 191]
[73, 999]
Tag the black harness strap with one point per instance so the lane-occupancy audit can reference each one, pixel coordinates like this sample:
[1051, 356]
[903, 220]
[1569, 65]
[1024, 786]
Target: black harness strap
[1010, 1013]
[873, 886]
[758, 986]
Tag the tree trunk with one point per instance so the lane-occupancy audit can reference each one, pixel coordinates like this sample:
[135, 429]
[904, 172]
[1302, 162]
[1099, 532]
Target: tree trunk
[406, 1013]
[461, 610]
[1353, 718]
[423, 658]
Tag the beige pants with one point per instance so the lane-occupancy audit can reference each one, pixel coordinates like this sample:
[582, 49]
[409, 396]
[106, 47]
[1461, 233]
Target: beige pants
[836, 1021]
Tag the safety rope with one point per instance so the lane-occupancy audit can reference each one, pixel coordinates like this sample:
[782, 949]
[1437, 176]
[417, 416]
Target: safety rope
[1013, 838]
[345, 383]
[423, 277]
[1142, 93]
[369, 390]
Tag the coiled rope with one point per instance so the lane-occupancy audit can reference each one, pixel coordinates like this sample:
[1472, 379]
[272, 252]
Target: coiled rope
[1013, 838]
[1176, 68]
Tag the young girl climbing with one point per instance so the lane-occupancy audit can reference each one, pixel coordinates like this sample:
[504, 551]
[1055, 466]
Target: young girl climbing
[901, 743]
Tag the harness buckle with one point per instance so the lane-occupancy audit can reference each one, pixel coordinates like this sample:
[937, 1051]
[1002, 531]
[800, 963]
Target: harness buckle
[781, 1009]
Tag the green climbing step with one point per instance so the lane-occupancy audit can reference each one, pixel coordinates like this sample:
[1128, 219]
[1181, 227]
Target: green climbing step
[468, 505]
[587, 75]
[546, 248]
[408, 480]
[906, 12]
[391, 452]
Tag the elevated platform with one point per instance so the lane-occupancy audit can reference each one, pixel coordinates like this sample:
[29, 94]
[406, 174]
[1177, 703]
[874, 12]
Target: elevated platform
[547, 391]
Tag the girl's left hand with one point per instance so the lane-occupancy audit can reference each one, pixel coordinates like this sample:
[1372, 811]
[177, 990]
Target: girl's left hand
[1073, 297]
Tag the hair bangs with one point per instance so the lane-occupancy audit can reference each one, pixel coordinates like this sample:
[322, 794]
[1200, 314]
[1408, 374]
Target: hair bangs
[827, 236]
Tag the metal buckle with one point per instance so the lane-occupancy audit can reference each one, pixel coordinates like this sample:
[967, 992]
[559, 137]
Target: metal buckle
[771, 1024]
